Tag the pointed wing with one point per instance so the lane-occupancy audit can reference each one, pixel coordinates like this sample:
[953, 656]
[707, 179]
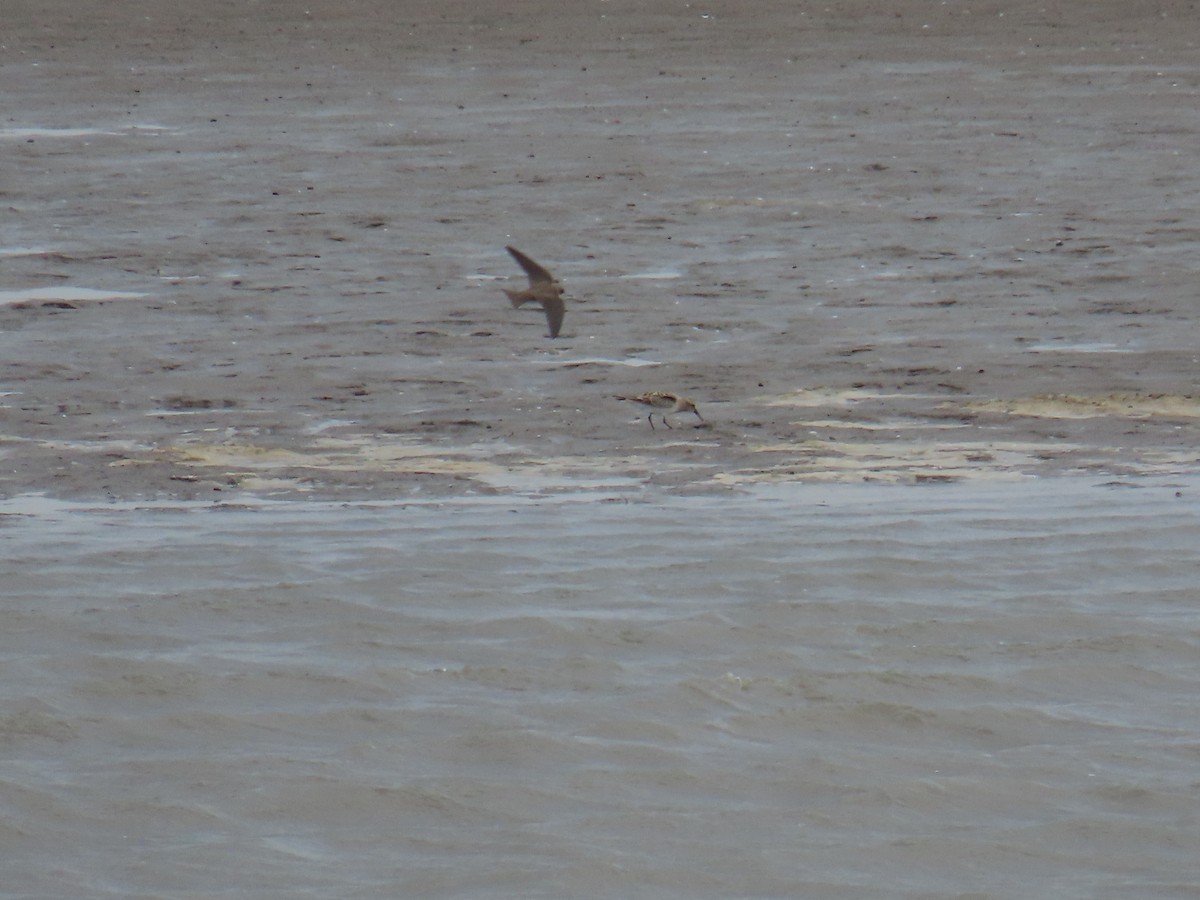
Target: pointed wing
[555, 309]
[537, 275]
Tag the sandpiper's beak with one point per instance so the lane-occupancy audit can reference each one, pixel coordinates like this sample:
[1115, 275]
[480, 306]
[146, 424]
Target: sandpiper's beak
[697, 412]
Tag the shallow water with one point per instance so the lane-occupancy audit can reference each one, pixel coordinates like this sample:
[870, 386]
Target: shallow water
[819, 691]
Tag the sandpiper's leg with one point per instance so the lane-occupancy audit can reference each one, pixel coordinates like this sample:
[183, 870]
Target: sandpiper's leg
[650, 419]
[665, 422]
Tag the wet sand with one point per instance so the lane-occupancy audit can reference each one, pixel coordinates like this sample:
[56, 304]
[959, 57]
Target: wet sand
[905, 244]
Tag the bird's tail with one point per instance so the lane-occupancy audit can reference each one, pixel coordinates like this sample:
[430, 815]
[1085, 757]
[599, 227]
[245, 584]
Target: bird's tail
[516, 298]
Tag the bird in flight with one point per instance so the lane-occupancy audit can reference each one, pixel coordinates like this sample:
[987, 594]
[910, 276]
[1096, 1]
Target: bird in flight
[543, 289]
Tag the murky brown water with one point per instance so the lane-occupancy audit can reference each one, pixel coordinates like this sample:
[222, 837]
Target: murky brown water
[821, 691]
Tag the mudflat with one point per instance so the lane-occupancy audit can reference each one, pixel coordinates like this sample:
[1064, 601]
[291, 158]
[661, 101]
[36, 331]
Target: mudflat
[261, 248]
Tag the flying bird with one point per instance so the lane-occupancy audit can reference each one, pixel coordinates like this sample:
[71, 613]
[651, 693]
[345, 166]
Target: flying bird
[663, 400]
[543, 289]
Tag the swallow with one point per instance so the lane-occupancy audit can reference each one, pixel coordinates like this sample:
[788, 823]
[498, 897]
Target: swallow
[543, 289]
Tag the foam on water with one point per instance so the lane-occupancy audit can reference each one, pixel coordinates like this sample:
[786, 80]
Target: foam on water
[654, 275]
[34, 132]
[632, 362]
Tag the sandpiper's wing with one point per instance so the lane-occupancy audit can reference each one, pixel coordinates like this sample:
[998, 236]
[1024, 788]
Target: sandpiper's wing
[554, 309]
[537, 275]
[660, 399]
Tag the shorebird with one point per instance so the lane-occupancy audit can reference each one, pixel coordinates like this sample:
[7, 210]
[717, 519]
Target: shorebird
[543, 289]
[663, 400]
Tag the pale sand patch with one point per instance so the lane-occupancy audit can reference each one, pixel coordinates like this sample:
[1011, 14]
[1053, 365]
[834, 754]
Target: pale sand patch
[1078, 406]
[894, 425]
[246, 456]
[825, 396]
[243, 463]
[345, 456]
[891, 462]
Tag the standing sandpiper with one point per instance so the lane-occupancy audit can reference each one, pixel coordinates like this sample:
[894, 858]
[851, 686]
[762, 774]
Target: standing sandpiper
[662, 400]
[543, 289]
